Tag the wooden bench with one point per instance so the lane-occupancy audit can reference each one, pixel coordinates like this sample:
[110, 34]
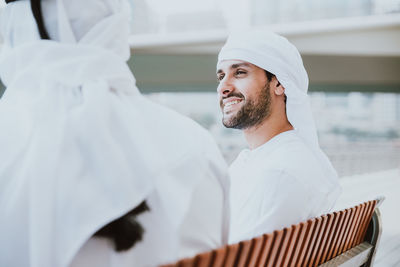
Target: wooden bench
[344, 238]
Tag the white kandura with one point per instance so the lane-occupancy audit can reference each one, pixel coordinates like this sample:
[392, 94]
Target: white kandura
[80, 147]
[281, 173]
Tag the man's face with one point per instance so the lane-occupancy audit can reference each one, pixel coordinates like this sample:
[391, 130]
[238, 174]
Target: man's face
[243, 93]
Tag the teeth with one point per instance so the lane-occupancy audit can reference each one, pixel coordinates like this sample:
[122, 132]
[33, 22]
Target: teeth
[231, 103]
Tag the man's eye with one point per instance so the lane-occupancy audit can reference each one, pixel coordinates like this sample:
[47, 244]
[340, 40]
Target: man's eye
[240, 72]
[220, 77]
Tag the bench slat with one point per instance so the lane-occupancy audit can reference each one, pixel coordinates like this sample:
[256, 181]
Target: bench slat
[244, 255]
[232, 253]
[367, 218]
[185, 263]
[312, 241]
[279, 235]
[292, 243]
[304, 246]
[353, 228]
[266, 249]
[341, 216]
[299, 242]
[364, 211]
[329, 242]
[371, 207]
[287, 234]
[346, 233]
[362, 208]
[220, 256]
[316, 245]
[205, 259]
[324, 239]
[341, 233]
[255, 252]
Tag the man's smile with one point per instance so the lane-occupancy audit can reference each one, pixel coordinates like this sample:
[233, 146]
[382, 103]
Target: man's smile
[230, 103]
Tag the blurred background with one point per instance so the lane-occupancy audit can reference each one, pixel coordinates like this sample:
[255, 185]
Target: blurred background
[351, 50]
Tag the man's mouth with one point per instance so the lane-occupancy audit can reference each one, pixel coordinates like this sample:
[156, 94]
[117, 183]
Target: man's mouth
[231, 102]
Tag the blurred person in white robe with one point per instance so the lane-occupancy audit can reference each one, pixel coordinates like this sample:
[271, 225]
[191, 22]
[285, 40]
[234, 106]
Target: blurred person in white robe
[91, 172]
[283, 178]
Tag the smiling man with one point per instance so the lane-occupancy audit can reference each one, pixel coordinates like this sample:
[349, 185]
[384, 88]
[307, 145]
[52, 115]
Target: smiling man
[284, 177]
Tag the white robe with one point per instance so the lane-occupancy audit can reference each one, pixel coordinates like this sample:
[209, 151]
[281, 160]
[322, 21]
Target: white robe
[276, 185]
[205, 225]
[80, 146]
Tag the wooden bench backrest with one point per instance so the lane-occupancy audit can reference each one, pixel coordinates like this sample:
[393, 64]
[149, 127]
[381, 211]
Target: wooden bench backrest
[309, 243]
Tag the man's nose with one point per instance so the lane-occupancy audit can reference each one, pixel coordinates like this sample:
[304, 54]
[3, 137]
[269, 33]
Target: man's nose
[225, 88]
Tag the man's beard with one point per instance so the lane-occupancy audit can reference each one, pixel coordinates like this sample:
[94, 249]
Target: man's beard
[252, 113]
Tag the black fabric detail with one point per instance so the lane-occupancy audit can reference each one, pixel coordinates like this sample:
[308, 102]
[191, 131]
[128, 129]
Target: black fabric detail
[36, 8]
[37, 14]
[125, 231]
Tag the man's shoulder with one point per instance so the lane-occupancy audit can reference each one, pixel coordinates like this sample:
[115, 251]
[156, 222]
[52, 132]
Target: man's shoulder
[295, 151]
[290, 158]
[289, 152]
[298, 162]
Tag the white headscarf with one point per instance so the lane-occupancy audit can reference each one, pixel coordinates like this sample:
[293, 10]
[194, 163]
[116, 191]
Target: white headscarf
[277, 55]
[79, 144]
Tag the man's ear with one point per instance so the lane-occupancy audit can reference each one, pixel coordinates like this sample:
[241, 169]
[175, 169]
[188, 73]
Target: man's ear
[278, 88]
